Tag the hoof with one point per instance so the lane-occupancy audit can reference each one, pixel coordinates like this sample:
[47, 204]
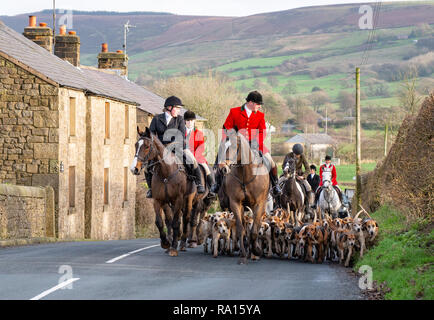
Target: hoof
[242, 260]
[192, 245]
[183, 249]
[255, 258]
[165, 244]
[173, 253]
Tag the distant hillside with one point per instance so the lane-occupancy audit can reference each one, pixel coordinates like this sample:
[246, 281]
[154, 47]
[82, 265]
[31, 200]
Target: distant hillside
[312, 47]
[163, 30]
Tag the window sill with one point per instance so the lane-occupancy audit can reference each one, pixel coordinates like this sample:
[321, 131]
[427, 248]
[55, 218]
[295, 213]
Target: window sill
[106, 208]
[72, 139]
[72, 210]
[127, 141]
[125, 204]
[107, 141]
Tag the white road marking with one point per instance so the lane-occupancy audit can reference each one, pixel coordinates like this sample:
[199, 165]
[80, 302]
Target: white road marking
[130, 253]
[59, 286]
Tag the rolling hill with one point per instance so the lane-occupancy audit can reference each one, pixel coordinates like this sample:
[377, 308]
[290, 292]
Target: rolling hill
[305, 48]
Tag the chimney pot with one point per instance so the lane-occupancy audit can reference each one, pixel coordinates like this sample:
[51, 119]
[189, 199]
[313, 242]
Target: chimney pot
[41, 35]
[67, 47]
[104, 47]
[62, 30]
[32, 21]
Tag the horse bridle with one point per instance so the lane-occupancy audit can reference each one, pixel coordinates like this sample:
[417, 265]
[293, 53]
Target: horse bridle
[146, 158]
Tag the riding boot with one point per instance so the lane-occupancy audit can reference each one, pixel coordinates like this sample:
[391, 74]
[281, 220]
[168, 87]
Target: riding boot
[198, 180]
[148, 176]
[210, 182]
[275, 181]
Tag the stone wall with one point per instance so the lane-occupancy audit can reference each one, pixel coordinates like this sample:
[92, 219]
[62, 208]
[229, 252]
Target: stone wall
[29, 122]
[26, 212]
[72, 153]
[114, 220]
[143, 120]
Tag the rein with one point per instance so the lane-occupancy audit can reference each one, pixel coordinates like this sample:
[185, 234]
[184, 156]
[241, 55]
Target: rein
[146, 160]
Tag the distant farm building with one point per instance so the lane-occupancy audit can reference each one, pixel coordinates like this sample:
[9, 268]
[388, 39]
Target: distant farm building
[316, 146]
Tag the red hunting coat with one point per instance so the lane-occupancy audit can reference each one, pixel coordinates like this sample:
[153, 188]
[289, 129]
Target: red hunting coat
[196, 144]
[254, 126]
[331, 168]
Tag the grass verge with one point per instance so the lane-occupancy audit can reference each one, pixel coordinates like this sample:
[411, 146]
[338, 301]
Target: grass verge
[403, 257]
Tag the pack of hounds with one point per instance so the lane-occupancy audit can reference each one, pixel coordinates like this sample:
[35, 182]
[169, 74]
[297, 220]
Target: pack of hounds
[281, 235]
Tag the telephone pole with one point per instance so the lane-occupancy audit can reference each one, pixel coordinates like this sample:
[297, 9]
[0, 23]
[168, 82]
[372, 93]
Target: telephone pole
[358, 143]
[54, 24]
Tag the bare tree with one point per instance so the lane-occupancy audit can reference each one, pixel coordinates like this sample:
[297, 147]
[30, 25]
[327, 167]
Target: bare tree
[408, 96]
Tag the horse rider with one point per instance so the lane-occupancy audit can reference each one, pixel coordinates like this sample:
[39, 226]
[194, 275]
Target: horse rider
[300, 162]
[196, 143]
[170, 119]
[313, 178]
[329, 167]
[249, 118]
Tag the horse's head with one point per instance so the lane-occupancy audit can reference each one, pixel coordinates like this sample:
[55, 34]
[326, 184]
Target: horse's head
[289, 169]
[327, 178]
[145, 150]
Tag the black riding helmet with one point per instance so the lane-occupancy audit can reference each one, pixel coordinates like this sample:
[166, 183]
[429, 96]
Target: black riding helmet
[297, 149]
[189, 115]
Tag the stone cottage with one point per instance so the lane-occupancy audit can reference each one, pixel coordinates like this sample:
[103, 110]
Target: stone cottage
[317, 146]
[70, 127]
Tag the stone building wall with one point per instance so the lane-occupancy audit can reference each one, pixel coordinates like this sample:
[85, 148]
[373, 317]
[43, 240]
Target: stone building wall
[114, 220]
[143, 120]
[72, 153]
[26, 212]
[29, 122]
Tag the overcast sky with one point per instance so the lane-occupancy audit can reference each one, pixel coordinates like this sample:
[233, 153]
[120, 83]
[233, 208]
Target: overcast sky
[182, 7]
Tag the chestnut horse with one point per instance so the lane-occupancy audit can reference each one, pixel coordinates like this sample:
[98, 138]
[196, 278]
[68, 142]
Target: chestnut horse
[246, 183]
[171, 190]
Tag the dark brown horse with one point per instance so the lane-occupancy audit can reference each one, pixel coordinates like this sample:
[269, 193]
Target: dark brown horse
[292, 195]
[172, 192]
[246, 183]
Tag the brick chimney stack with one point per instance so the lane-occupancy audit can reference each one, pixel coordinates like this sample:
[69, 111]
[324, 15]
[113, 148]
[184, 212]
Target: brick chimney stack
[67, 46]
[41, 35]
[113, 60]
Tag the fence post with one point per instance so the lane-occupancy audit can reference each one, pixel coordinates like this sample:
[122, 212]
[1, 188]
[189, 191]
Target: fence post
[358, 142]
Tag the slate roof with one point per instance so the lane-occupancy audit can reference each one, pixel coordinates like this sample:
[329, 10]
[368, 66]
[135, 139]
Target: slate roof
[149, 101]
[88, 79]
[310, 138]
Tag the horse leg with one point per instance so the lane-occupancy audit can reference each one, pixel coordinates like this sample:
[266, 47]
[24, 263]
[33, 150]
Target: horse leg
[168, 217]
[175, 227]
[193, 237]
[160, 225]
[186, 220]
[236, 209]
[257, 213]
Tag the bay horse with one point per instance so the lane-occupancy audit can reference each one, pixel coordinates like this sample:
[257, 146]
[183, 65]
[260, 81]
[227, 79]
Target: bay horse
[328, 201]
[172, 191]
[246, 183]
[292, 196]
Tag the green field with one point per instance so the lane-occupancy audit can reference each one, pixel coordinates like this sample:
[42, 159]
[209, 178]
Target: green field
[403, 258]
[345, 172]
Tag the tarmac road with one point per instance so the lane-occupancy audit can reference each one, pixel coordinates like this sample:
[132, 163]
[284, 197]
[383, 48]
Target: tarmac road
[140, 269]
